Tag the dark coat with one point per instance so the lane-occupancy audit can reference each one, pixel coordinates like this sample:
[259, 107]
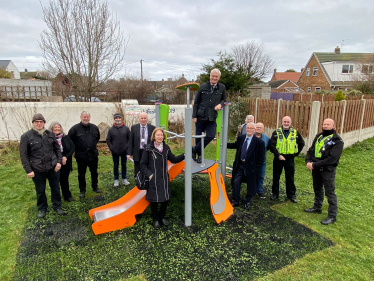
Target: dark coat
[330, 157]
[134, 141]
[39, 153]
[273, 145]
[253, 162]
[85, 139]
[68, 148]
[206, 99]
[118, 139]
[155, 163]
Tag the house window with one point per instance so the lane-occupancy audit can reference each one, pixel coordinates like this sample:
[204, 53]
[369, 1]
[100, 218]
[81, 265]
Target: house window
[309, 89]
[315, 71]
[12, 74]
[367, 68]
[318, 89]
[347, 68]
[307, 72]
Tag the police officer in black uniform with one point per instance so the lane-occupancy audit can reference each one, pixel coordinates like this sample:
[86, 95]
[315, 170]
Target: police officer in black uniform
[322, 159]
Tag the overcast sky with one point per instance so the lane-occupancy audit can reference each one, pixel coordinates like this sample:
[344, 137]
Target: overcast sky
[175, 37]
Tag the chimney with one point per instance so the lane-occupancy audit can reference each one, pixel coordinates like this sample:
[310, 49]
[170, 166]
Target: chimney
[25, 69]
[337, 50]
[302, 69]
[182, 75]
[275, 71]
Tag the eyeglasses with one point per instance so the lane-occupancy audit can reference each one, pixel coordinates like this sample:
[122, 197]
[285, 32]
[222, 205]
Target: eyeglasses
[38, 122]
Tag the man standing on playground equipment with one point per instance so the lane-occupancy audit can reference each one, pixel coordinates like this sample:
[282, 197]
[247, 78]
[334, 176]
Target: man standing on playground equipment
[285, 143]
[208, 100]
[249, 158]
[140, 136]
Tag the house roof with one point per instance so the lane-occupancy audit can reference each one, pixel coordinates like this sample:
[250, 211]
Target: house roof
[293, 76]
[278, 83]
[4, 63]
[326, 57]
[28, 75]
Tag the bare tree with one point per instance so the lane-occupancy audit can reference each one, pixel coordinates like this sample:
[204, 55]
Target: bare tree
[253, 58]
[83, 42]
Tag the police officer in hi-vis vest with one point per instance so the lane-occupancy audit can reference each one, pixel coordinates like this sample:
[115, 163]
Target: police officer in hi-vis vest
[285, 143]
[322, 159]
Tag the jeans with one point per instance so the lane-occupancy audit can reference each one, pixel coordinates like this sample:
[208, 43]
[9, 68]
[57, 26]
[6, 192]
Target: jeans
[116, 165]
[40, 180]
[210, 127]
[261, 180]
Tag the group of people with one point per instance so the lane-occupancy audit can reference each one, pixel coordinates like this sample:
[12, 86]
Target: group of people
[47, 154]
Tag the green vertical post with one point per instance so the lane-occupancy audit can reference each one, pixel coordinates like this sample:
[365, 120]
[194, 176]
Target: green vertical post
[164, 117]
[219, 130]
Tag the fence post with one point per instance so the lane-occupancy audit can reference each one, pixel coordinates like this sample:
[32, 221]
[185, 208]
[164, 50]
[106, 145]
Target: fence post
[279, 102]
[256, 110]
[345, 107]
[314, 121]
[323, 95]
[362, 119]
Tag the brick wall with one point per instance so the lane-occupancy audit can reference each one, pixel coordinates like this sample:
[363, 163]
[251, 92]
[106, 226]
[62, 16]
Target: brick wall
[313, 81]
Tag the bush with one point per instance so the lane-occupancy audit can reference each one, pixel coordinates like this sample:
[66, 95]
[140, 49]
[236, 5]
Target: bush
[238, 112]
[339, 96]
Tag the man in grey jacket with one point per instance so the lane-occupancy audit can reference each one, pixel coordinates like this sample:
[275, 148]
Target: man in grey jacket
[117, 140]
[41, 158]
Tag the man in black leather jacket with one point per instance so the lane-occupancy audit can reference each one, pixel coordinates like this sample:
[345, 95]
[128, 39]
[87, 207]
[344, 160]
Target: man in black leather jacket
[85, 137]
[41, 158]
[208, 100]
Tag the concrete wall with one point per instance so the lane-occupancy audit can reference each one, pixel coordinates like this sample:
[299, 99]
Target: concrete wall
[261, 91]
[25, 87]
[15, 117]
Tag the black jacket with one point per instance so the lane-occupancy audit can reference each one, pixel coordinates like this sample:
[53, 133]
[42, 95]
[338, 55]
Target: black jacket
[273, 145]
[155, 163]
[118, 139]
[330, 157]
[68, 148]
[134, 141]
[85, 139]
[39, 153]
[206, 100]
[253, 162]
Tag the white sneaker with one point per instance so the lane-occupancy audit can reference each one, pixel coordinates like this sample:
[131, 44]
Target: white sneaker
[116, 183]
[125, 182]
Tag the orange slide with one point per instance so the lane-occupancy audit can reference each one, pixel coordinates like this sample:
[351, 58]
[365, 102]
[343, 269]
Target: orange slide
[121, 213]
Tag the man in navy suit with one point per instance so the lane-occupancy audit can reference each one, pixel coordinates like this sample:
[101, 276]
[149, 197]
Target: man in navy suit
[140, 136]
[249, 158]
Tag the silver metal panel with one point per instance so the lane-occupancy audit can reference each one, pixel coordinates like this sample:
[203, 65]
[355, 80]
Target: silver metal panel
[220, 205]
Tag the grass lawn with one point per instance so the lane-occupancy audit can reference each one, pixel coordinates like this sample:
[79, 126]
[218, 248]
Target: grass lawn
[271, 241]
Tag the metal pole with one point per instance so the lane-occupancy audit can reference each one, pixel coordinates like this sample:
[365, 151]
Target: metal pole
[224, 134]
[158, 113]
[188, 163]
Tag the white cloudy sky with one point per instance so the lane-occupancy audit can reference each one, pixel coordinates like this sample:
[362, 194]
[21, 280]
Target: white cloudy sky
[175, 37]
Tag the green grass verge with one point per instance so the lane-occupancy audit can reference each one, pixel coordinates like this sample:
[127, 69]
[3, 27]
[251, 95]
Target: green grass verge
[250, 245]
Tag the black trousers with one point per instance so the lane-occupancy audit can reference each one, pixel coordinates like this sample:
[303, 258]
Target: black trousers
[137, 163]
[82, 168]
[158, 214]
[236, 185]
[64, 181]
[40, 180]
[210, 127]
[289, 170]
[325, 179]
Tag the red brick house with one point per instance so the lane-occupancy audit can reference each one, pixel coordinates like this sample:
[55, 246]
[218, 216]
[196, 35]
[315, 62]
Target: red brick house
[283, 86]
[293, 76]
[333, 71]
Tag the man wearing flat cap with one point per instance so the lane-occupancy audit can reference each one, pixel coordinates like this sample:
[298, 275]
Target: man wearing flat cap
[41, 158]
[117, 140]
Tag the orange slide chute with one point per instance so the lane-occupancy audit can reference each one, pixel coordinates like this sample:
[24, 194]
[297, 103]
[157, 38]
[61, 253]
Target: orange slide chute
[121, 213]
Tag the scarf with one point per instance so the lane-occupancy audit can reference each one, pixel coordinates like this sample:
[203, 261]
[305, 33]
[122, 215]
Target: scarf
[159, 147]
[40, 132]
[58, 138]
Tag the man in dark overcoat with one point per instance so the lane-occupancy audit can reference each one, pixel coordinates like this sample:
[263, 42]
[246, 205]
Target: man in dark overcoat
[249, 158]
[140, 136]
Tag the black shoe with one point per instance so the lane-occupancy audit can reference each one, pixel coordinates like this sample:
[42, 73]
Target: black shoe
[262, 196]
[82, 195]
[198, 160]
[293, 199]
[157, 225]
[234, 204]
[194, 153]
[273, 196]
[97, 190]
[41, 214]
[70, 199]
[60, 212]
[247, 205]
[164, 222]
[313, 210]
[328, 220]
